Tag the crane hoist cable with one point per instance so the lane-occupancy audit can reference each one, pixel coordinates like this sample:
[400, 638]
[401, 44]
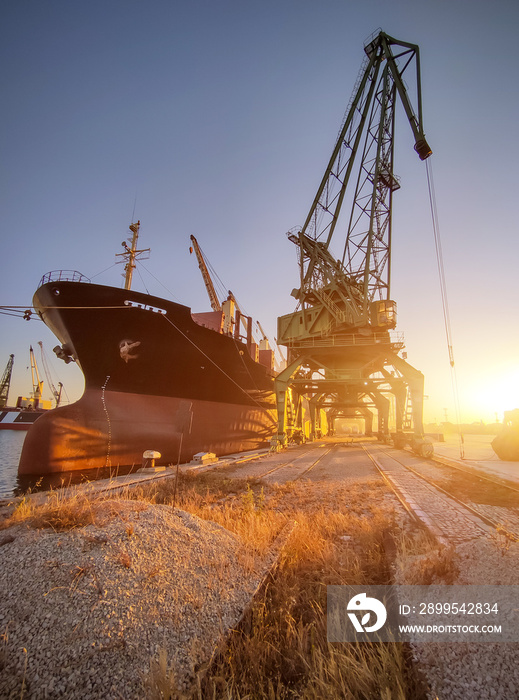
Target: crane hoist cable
[445, 303]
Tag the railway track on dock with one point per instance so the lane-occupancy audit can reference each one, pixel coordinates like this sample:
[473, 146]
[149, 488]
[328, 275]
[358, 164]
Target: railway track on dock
[289, 464]
[451, 519]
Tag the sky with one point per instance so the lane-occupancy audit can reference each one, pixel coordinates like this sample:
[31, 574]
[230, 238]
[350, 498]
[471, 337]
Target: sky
[218, 120]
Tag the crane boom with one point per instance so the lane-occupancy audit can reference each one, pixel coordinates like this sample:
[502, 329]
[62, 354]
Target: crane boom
[213, 298]
[37, 383]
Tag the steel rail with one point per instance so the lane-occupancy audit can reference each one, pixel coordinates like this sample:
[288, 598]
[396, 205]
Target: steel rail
[446, 462]
[513, 536]
[291, 462]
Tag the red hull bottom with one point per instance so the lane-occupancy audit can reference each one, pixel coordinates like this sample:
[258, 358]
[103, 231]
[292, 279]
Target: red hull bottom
[110, 429]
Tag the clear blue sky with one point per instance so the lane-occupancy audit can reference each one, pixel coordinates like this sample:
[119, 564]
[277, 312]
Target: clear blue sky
[217, 119]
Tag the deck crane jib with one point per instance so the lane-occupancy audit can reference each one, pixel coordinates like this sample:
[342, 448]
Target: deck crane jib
[228, 318]
[226, 311]
[211, 291]
[353, 291]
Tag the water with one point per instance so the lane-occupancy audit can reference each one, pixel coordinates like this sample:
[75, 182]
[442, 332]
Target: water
[11, 443]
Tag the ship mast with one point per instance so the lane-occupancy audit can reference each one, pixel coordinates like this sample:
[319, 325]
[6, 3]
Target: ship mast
[131, 254]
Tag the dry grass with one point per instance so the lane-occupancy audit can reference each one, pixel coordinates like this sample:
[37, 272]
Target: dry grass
[4, 639]
[160, 681]
[236, 504]
[281, 650]
[58, 510]
[421, 561]
[68, 509]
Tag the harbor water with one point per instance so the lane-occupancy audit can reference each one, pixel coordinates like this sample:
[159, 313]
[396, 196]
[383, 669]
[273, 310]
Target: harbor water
[11, 443]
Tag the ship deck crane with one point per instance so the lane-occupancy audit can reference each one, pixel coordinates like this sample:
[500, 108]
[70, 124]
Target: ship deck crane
[5, 382]
[234, 318]
[213, 297]
[341, 326]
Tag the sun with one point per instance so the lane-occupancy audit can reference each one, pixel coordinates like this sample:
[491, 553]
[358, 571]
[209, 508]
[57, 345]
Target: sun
[488, 395]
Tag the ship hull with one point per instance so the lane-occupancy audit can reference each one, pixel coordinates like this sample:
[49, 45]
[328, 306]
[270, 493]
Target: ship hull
[154, 380]
[113, 429]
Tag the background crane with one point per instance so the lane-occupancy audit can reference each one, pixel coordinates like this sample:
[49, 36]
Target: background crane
[5, 382]
[55, 392]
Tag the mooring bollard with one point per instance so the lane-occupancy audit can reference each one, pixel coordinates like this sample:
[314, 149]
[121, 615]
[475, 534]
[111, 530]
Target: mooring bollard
[150, 456]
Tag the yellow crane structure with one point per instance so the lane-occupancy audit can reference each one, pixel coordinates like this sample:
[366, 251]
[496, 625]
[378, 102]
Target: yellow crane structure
[55, 392]
[35, 401]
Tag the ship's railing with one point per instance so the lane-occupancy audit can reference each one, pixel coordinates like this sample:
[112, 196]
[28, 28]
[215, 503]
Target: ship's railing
[63, 276]
[396, 339]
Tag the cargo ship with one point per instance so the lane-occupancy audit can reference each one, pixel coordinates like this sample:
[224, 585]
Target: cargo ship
[157, 377]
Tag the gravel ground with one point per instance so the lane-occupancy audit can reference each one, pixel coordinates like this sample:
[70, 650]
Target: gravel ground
[466, 671]
[83, 612]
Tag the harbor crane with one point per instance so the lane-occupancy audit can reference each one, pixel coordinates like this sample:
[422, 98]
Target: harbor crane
[5, 382]
[37, 383]
[55, 392]
[342, 353]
